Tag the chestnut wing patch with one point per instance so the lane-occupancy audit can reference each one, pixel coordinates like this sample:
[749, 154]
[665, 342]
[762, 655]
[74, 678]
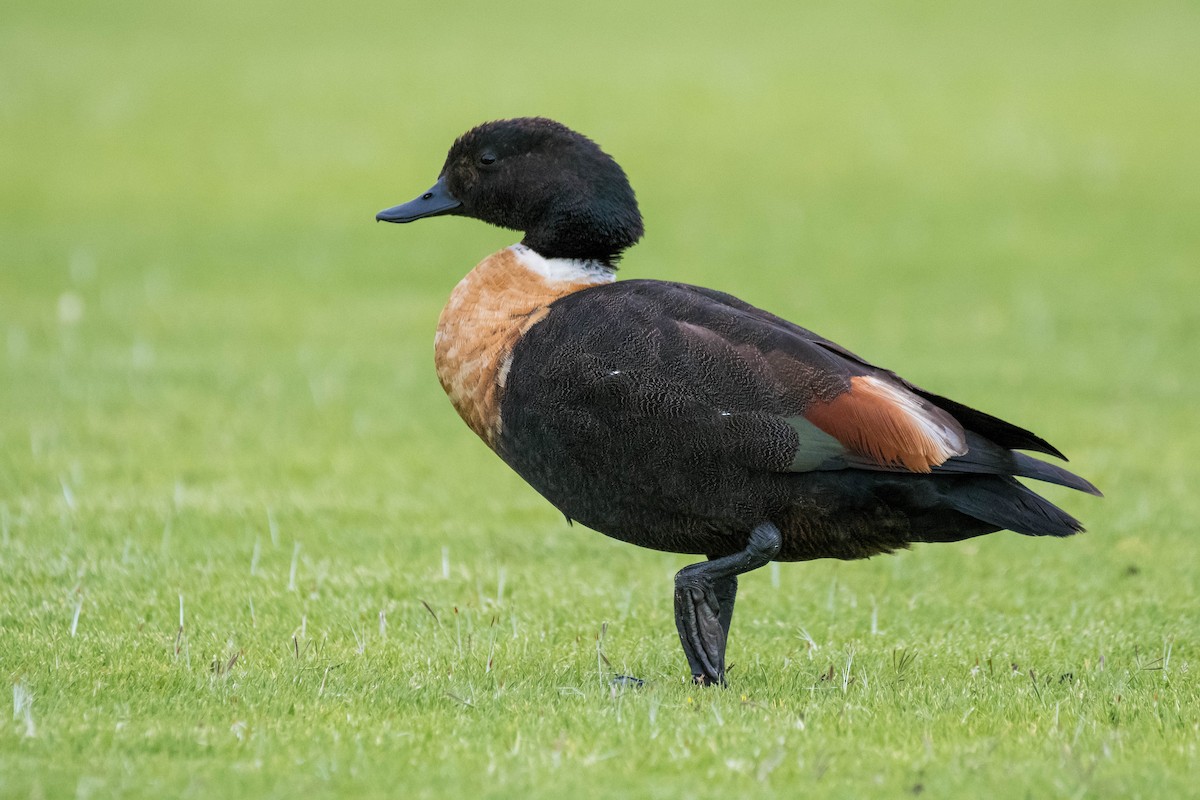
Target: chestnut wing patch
[889, 426]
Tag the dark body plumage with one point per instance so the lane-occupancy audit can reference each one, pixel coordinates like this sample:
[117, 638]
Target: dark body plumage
[683, 419]
[657, 413]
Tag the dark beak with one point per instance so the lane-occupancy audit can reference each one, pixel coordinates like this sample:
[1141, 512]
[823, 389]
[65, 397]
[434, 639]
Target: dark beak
[435, 202]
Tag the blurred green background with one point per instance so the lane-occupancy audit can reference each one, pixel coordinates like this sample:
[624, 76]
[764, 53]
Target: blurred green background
[216, 384]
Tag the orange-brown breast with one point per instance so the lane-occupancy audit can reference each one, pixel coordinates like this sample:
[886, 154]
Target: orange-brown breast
[488, 312]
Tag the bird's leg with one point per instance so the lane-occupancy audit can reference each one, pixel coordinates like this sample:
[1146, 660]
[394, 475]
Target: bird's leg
[704, 597]
[725, 590]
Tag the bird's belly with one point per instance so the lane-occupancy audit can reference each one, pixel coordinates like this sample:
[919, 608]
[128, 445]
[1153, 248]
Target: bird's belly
[629, 481]
[662, 493]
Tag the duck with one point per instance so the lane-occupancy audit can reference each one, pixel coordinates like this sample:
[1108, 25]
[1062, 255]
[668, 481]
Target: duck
[682, 419]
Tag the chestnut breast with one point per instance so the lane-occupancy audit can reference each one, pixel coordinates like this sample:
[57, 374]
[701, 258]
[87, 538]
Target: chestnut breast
[488, 312]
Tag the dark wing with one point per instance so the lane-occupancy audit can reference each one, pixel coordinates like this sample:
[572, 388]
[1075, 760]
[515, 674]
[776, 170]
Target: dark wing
[998, 431]
[774, 396]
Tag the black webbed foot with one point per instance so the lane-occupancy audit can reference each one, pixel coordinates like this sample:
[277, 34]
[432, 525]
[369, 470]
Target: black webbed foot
[697, 616]
[704, 598]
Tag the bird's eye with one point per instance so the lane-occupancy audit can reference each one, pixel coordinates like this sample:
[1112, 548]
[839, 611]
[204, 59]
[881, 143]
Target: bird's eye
[487, 159]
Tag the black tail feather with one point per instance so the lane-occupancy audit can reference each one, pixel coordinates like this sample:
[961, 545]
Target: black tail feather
[1030, 467]
[1002, 501]
[989, 458]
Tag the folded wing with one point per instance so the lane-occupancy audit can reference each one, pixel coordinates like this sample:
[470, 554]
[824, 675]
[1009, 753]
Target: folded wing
[844, 412]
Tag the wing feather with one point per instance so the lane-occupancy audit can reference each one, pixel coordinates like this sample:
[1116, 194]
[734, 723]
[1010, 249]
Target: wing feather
[725, 380]
[889, 425]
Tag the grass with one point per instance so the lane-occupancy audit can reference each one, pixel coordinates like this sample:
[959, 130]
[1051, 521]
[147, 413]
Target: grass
[247, 548]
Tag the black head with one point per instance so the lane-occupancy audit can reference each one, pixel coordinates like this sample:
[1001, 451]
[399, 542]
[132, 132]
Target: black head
[534, 175]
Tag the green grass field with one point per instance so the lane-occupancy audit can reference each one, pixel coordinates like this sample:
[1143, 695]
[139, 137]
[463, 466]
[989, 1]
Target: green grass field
[248, 549]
